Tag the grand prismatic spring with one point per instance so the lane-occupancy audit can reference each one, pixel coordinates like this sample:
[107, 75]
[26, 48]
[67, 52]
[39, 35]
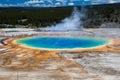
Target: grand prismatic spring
[62, 42]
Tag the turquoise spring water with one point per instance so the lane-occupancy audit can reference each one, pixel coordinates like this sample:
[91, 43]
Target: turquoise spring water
[62, 42]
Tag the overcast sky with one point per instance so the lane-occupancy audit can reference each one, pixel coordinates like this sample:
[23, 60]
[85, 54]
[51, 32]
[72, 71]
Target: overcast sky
[52, 3]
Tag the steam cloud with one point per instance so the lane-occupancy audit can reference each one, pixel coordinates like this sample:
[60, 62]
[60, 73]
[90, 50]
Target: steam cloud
[73, 22]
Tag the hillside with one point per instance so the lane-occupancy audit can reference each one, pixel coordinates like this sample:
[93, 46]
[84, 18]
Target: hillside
[40, 17]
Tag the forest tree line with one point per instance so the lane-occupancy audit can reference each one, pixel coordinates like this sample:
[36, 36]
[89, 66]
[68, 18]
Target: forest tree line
[41, 17]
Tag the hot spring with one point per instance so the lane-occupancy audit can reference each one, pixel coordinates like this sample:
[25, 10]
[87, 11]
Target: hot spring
[60, 43]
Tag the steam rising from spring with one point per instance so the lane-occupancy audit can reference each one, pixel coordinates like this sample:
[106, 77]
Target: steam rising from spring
[70, 23]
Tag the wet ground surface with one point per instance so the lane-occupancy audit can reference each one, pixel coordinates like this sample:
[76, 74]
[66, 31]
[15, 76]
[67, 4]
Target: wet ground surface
[18, 63]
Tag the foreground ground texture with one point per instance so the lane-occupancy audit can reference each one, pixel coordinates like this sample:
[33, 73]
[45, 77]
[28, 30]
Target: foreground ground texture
[19, 63]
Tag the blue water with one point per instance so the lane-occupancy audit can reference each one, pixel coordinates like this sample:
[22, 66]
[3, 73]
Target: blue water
[62, 42]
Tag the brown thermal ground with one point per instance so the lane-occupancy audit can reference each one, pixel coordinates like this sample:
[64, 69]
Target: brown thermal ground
[21, 63]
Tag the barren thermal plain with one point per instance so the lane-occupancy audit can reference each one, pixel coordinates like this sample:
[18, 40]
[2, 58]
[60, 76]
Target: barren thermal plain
[21, 63]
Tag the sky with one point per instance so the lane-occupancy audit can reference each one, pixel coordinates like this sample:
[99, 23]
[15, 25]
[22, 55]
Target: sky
[52, 3]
